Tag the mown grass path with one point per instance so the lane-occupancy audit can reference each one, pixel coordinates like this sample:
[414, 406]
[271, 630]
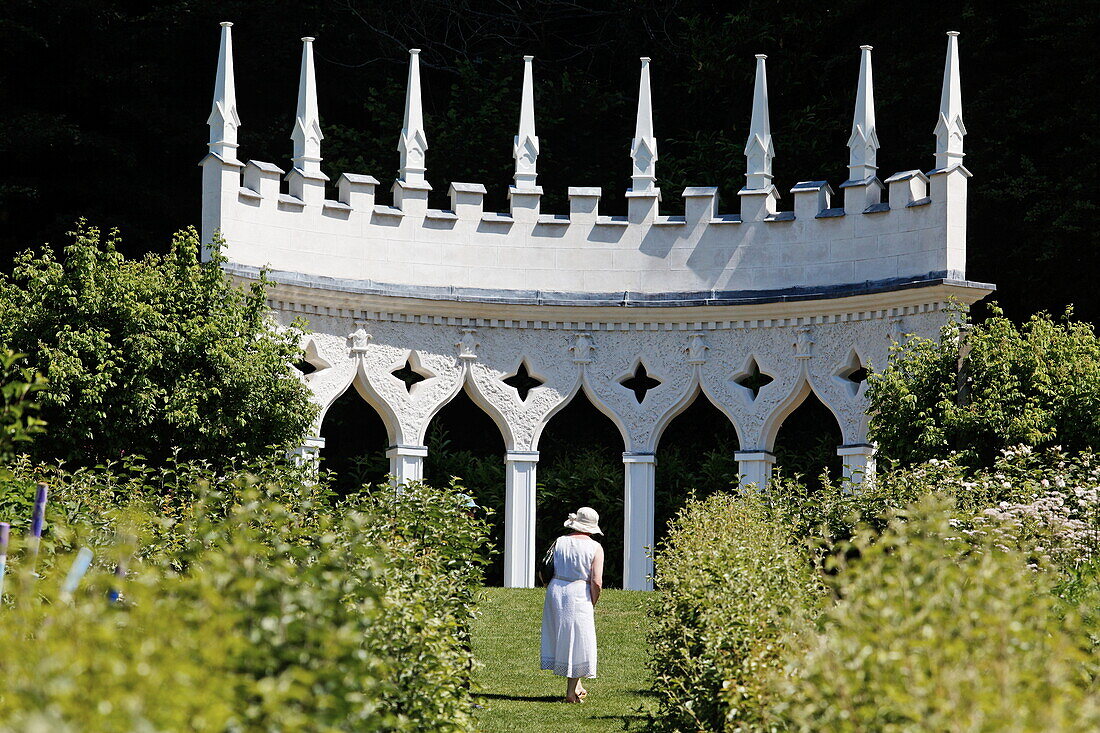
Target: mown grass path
[517, 696]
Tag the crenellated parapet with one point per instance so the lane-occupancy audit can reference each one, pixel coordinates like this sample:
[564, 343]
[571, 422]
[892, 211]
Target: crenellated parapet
[907, 229]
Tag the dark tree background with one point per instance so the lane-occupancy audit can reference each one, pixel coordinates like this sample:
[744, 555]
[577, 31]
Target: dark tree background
[103, 105]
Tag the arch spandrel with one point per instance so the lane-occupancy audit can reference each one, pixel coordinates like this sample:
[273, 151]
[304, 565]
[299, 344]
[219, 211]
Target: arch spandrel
[731, 353]
[386, 350]
[615, 358]
[837, 348]
[327, 384]
[546, 356]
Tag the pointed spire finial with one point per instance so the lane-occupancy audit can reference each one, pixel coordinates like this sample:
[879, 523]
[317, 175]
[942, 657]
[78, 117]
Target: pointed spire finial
[223, 119]
[758, 150]
[307, 125]
[414, 142]
[525, 147]
[863, 143]
[643, 148]
[950, 128]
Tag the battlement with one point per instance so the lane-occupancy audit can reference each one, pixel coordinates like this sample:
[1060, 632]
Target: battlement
[360, 241]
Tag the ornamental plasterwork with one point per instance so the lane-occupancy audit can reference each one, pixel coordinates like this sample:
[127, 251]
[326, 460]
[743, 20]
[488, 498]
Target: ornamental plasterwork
[617, 357]
[546, 356]
[731, 354]
[797, 357]
[388, 351]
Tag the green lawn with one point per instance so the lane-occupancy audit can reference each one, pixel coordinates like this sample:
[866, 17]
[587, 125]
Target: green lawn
[519, 697]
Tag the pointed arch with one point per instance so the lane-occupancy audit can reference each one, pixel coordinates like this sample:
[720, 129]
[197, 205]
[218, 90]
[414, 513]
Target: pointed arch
[356, 436]
[593, 396]
[694, 392]
[794, 399]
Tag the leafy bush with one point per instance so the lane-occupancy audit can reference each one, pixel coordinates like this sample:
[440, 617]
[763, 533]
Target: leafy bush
[436, 551]
[1049, 496]
[151, 356]
[984, 387]
[18, 406]
[269, 628]
[248, 597]
[940, 632]
[737, 592]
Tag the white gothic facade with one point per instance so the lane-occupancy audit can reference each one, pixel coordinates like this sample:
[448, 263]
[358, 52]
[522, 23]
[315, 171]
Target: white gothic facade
[642, 311]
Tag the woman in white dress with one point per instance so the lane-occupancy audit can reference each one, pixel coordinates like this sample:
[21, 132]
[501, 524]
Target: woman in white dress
[568, 614]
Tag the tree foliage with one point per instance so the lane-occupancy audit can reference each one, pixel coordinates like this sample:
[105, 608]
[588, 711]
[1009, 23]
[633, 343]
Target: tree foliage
[19, 422]
[983, 387]
[151, 356]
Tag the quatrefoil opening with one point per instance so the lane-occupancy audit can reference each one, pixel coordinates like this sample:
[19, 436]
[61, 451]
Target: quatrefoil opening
[413, 373]
[311, 361]
[752, 379]
[640, 382]
[852, 373]
[523, 381]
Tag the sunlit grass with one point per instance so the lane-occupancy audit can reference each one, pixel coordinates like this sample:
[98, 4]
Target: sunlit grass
[519, 697]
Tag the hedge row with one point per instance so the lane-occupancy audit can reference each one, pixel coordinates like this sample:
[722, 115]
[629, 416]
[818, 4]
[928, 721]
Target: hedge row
[736, 592]
[906, 606]
[248, 603]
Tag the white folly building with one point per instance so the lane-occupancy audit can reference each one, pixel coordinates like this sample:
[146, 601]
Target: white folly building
[642, 311]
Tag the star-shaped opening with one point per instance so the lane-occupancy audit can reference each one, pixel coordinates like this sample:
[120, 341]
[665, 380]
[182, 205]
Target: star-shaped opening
[311, 361]
[853, 373]
[412, 373]
[522, 381]
[640, 382]
[753, 379]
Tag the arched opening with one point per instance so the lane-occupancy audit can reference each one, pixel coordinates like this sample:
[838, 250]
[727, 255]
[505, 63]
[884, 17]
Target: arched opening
[581, 464]
[697, 454]
[807, 441]
[355, 443]
[464, 442]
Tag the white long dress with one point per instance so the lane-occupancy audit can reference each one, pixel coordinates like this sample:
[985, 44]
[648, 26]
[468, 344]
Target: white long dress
[568, 619]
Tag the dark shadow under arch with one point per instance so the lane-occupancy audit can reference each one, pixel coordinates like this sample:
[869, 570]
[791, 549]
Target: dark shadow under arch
[464, 443]
[581, 464]
[807, 442]
[355, 443]
[697, 454]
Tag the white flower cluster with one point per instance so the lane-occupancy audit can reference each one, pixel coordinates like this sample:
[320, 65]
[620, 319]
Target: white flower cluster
[1062, 524]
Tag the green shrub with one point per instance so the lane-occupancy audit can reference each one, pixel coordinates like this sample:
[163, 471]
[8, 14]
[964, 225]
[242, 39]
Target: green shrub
[436, 549]
[736, 593]
[981, 388]
[19, 421]
[151, 356]
[270, 629]
[253, 602]
[1050, 498]
[151, 663]
[157, 505]
[937, 631]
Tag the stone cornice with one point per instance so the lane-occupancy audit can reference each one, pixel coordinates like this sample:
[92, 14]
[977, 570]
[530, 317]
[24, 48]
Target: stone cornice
[864, 302]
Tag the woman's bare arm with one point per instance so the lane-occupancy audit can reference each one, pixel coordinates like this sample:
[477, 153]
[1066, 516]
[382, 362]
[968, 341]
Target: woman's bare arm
[595, 578]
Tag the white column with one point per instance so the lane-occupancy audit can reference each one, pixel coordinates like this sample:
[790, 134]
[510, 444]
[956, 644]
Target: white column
[859, 462]
[309, 452]
[638, 522]
[519, 519]
[755, 467]
[406, 463]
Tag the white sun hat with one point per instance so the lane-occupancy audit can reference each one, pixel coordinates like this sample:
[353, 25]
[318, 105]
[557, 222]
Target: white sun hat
[584, 519]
